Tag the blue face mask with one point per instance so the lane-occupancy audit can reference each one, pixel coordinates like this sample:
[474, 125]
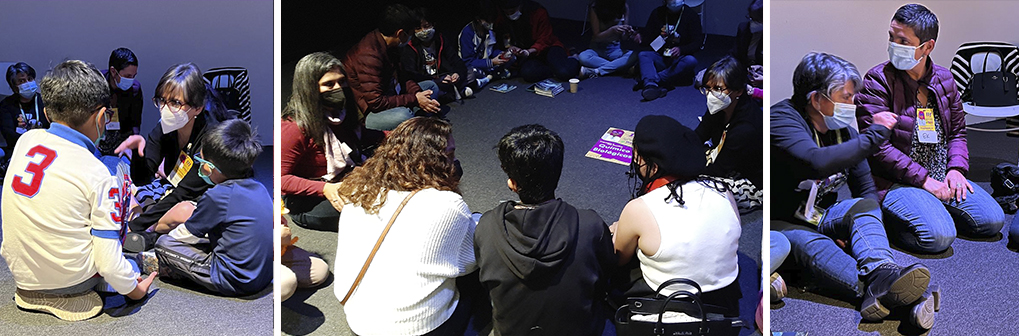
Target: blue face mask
[201, 173]
[99, 129]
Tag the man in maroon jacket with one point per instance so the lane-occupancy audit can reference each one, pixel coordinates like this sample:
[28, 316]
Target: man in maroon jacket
[523, 29]
[920, 172]
[371, 74]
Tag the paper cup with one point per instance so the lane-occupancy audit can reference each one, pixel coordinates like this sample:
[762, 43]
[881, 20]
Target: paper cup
[574, 83]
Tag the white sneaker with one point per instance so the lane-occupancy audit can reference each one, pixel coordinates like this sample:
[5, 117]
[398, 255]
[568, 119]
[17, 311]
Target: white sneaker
[468, 92]
[586, 72]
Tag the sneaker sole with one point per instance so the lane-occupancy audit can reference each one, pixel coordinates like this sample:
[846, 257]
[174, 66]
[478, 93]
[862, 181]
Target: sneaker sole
[78, 308]
[922, 314]
[905, 290]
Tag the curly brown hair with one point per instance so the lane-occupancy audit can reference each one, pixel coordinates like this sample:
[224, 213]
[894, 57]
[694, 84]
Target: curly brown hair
[412, 157]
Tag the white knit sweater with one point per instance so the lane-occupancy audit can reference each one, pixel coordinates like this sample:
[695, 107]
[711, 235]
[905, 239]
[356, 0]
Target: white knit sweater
[410, 287]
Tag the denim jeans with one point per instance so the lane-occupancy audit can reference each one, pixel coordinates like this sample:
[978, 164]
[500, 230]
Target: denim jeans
[920, 222]
[554, 61]
[387, 120]
[1013, 232]
[656, 69]
[779, 250]
[606, 58]
[857, 222]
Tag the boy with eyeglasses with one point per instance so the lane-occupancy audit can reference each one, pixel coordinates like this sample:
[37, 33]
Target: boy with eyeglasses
[63, 210]
[226, 244]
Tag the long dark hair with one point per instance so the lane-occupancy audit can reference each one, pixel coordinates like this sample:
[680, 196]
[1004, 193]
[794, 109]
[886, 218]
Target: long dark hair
[639, 183]
[187, 79]
[305, 105]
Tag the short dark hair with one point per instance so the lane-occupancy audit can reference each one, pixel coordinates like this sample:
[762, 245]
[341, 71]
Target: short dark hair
[607, 10]
[15, 69]
[917, 17]
[232, 146]
[121, 58]
[532, 156]
[74, 91]
[396, 17]
[756, 10]
[729, 71]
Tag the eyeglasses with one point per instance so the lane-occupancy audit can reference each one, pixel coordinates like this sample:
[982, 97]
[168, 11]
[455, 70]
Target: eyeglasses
[175, 105]
[718, 89]
[201, 161]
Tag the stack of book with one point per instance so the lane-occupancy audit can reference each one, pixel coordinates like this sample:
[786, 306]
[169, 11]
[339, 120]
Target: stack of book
[548, 88]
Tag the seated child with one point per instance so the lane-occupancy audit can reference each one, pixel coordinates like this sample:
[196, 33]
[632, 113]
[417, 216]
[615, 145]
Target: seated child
[235, 216]
[62, 208]
[301, 268]
[545, 263]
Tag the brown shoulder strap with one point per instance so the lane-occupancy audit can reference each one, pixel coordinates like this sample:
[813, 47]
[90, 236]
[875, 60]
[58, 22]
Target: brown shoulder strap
[376, 248]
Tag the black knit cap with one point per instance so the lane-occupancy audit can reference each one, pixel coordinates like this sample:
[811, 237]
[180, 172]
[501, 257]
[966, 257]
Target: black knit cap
[675, 148]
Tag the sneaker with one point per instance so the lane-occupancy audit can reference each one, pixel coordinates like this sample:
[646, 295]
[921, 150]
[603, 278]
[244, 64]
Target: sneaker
[778, 288]
[140, 241]
[586, 72]
[67, 307]
[652, 92]
[922, 313]
[484, 81]
[891, 286]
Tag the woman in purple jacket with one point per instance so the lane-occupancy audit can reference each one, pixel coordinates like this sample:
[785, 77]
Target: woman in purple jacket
[921, 171]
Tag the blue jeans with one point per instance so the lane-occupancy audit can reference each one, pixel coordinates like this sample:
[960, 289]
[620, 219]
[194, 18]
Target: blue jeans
[553, 62]
[920, 222]
[606, 58]
[1013, 232]
[779, 250]
[655, 68]
[387, 120]
[857, 222]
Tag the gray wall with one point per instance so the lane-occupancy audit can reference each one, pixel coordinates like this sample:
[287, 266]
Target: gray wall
[161, 33]
[857, 30]
[721, 17]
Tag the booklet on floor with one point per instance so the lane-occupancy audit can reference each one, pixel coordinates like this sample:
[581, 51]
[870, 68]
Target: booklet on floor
[615, 146]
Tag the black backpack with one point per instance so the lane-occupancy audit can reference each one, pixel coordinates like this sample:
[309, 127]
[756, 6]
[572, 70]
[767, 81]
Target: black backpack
[1005, 183]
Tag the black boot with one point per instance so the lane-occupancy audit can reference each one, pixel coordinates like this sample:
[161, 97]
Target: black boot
[891, 286]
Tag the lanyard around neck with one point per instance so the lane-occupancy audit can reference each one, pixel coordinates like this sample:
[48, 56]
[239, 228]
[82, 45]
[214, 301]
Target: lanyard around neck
[35, 104]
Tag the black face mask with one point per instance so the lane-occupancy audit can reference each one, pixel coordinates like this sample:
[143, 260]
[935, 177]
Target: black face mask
[334, 99]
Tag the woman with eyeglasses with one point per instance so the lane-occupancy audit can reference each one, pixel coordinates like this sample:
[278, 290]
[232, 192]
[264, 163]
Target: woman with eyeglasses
[188, 106]
[21, 111]
[733, 125]
[126, 100]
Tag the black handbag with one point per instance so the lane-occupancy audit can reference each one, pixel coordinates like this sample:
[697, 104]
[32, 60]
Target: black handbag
[711, 320]
[994, 88]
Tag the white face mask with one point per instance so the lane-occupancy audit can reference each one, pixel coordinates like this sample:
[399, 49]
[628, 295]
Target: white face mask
[901, 56]
[514, 16]
[716, 103]
[172, 121]
[842, 115]
[756, 27]
[125, 83]
[28, 89]
[425, 35]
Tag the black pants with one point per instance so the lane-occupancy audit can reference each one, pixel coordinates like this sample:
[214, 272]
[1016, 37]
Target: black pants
[312, 212]
[552, 62]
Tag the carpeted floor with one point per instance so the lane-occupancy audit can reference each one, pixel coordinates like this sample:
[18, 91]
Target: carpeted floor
[580, 119]
[977, 277]
[172, 309]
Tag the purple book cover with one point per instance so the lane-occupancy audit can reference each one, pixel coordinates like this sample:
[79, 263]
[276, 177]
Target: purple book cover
[615, 146]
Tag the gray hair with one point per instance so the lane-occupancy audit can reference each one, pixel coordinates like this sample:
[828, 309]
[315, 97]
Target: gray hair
[824, 73]
[917, 17]
[74, 91]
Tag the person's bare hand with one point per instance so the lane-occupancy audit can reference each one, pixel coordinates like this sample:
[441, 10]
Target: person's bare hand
[499, 61]
[636, 37]
[285, 236]
[454, 77]
[134, 142]
[426, 102]
[514, 50]
[674, 52]
[142, 289]
[886, 119]
[331, 192]
[938, 189]
[958, 185]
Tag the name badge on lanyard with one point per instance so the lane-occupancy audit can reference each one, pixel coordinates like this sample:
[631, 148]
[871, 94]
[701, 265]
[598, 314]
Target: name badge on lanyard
[925, 126]
[114, 124]
[181, 168]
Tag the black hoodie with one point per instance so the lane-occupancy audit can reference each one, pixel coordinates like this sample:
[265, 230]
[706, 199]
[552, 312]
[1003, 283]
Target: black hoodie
[546, 268]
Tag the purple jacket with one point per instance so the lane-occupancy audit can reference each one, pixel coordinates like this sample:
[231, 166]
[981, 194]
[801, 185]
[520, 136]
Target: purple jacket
[888, 89]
